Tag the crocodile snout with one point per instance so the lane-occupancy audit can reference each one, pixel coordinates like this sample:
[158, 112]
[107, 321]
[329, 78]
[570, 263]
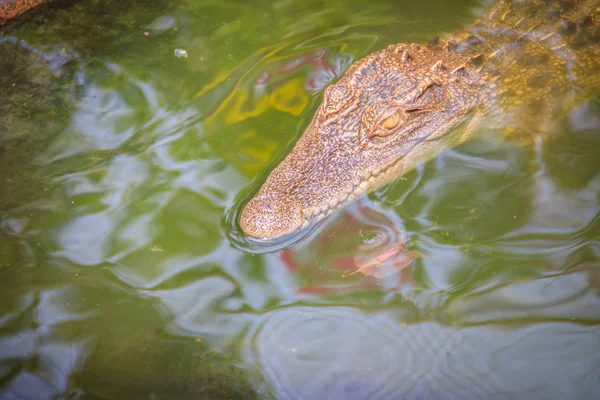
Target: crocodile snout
[270, 216]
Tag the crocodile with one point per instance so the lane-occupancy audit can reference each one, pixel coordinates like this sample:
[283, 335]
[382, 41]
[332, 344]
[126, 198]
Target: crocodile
[519, 68]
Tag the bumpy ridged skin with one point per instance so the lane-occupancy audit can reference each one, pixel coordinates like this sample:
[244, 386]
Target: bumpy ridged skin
[521, 66]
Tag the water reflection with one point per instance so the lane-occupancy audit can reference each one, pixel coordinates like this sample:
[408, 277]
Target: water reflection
[345, 353]
[36, 363]
[118, 276]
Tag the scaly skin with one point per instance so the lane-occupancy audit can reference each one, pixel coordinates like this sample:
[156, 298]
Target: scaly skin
[520, 67]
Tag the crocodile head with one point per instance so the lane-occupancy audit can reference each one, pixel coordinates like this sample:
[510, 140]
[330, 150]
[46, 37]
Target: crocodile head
[388, 112]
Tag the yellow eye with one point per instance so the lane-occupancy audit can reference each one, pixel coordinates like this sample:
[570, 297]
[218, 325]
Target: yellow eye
[391, 122]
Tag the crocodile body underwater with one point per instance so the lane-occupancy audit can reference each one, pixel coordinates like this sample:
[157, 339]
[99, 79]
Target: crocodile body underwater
[520, 67]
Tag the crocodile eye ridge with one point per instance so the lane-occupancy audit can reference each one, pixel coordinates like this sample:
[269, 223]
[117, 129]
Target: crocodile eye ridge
[338, 101]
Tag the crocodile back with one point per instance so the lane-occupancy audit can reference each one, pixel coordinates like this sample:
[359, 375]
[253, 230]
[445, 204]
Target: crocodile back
[545, 57]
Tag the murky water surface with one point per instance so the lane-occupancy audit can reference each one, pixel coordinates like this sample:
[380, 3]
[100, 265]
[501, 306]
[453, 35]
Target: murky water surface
[128, 130]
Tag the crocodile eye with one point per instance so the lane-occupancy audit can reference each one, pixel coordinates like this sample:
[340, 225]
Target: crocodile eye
[392, 121]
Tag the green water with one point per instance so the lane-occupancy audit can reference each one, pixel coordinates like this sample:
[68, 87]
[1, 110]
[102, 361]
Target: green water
[119, 163]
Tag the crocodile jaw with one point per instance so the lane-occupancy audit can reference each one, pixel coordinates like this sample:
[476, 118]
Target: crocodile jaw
[264, 217]
[275, 212]
[389, 112]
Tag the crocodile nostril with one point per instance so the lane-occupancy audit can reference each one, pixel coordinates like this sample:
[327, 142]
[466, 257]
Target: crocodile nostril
[268, 217]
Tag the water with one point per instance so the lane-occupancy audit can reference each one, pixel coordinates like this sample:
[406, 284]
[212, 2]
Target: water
[121, 160]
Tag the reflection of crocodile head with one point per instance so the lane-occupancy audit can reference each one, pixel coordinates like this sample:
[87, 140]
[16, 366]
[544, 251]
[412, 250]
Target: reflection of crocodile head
[389, 111]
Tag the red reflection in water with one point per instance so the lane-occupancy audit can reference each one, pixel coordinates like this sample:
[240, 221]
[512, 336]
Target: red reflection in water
[321, 71]
[332, 262]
